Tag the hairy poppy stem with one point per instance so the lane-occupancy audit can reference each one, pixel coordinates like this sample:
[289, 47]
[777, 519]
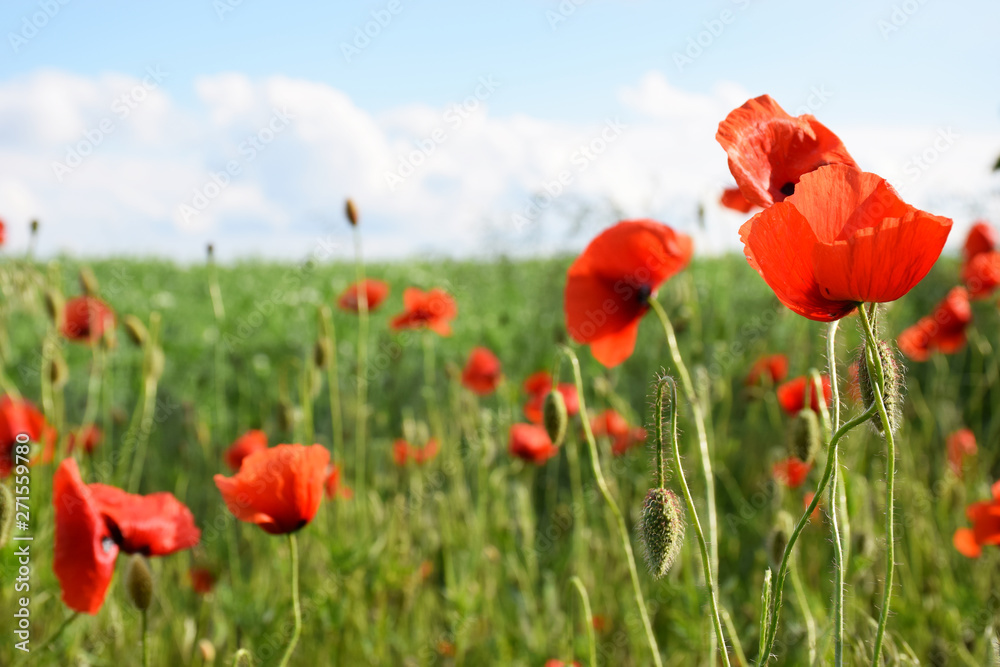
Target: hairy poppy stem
[588, 618]
[619, 519]
[361, 409]
[779, 582]
[874, 361]
[293, 548]
[145, 638]
[675, 444]
[840, 563]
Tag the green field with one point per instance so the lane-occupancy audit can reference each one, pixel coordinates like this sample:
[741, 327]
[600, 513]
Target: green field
[468, 559]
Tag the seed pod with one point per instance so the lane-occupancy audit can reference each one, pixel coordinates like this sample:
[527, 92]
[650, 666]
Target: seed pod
[58, 371]
[135, 329]
[803, 436]
[893, 394]
[242, 658]
[7, 507]
[777, 541]
[54, 305]
[352, 212]
[139, 583]
[88, 282]
[321, 352]
[554, 416]
[661, 530]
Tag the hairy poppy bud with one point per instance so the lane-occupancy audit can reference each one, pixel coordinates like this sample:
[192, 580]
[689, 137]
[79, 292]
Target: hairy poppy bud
[7, 507]
[661, 530]
[321, 352]
[54, 305]
[893, 394]
[352, 212]
[803, 436]
[777, 541]
[139, 583]
[554, 416]
[135, 329]
[88, 282]
[58, 371]
[242, 658]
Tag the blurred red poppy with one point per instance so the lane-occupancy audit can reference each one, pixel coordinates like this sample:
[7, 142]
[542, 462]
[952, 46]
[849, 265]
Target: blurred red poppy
[961, 445]
[609, 424]
[943, 330]
[531, 443]
[985, 518]
[94, 522]
[334, 486]
[202, 579]
[3, 233]
[375, 291]
[19, 416]
[609, 285]
[426, 310]
[733, 199]
[89, 438]
[279, 489]
[853, 389]
[791, 472]
[86, 318]
[844, 238]
[773, 367]
[422, 455]
[982, 238]
[792, 394]
[559, 663]
[538, 385]
[769, 151]
[248, 443]
[623, 443]
[981, 274]
[808, 498]
[482, 372]
[400, 452]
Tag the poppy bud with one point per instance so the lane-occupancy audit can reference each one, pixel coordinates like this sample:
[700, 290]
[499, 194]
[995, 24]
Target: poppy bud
[321, 352]
[139, 583]
[210, 251]
[58, 372]
[207, 651]
[135, 329]
[34, 227]
[88, 282]
[352, 212]
[54, 305]
[7, 507]
[892, 397]
[777, 541]
[661, 530]
[803, 436]
[554, 416]
[242, 658]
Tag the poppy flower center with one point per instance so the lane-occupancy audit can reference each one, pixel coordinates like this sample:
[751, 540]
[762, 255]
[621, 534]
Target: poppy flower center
[643, 293]
[788, 189]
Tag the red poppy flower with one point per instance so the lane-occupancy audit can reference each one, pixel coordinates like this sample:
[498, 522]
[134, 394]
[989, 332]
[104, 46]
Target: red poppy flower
[982, 238]
[943, 330]
[853, 385]
[791, 472]
[18, 416]
[375, 291]
[482, 373]
[623, 443]
[769, 151]
[808, 498]
[599, 622]
[531, 443]
[279, 489]
[89, 438]
[538, 385]
[94, 522]
[733, 199]
[961, 445]
[559, 663]
[400, 452]
[86, 318]
[422, 455]
[845, 237]
[774, 367]
[334, 485]
[248, 443]
[202, 579]
[981, 274]
[426, 310]
[792, 394]
[609, 285]
[3, 233]
[985, 518]
[610, 424]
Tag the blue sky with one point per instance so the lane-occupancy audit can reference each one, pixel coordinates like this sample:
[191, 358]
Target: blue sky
[563, 69]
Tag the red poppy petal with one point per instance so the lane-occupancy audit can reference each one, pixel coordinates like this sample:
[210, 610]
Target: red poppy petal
[965, 542]
[615, 348]
[153, 525]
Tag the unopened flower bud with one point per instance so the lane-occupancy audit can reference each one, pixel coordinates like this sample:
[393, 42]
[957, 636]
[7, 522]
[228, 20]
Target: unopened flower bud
[7, 507]
[139, 583]
[352, 212]
[135, 329]
[54, 305]
[210, 251]
[804, 437]
[58, 371]
[554, 416]
[34, 227]
[88, 282]
[892, 396]
[321, 352]
[242, 658]
[661, 530]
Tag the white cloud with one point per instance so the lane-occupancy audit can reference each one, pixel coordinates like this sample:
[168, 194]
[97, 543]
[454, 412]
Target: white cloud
[297, 148]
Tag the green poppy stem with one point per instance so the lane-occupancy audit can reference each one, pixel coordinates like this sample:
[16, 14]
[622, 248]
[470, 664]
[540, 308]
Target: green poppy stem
[840, 563]
[361, 409]
[293, 549]
[588, 618]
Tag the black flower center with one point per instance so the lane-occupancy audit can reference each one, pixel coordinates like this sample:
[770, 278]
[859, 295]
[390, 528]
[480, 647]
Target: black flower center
[788, 189]
[643, 293]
